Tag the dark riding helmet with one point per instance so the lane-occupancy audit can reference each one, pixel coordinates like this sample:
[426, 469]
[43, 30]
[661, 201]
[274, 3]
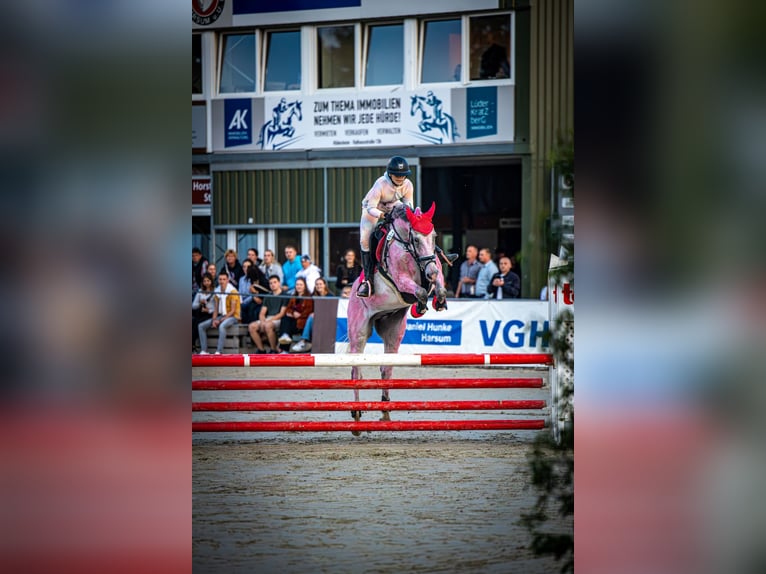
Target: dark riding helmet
[397, 165]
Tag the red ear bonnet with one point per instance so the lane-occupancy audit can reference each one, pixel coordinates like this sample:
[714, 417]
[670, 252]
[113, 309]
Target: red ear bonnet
[421, 222]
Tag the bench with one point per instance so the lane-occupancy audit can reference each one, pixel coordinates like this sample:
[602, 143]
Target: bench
[237, 338]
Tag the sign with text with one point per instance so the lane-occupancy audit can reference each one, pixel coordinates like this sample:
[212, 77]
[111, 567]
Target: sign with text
[238, 122]
[481, 112]
[489, 326]
[201, 190]
[361, 119]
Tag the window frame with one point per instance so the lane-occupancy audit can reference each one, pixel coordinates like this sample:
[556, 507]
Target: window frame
[365, 41]
[465, 73]
[265, 35]
[219, 72]
[315, 52]
[422, 23]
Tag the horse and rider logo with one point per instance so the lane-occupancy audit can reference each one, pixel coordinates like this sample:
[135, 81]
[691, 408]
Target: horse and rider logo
[435, 125]
[279, 131]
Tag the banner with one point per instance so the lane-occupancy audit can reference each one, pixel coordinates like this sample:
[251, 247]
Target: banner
[468, 326]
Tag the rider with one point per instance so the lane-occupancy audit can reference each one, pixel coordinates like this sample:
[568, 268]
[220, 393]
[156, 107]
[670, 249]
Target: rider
[436, 105]
[277, 112]
[391, 188]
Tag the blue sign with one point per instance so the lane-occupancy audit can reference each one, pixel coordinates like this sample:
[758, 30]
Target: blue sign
[260, 6]
[238, 120]
[419, 332]
[481, 112]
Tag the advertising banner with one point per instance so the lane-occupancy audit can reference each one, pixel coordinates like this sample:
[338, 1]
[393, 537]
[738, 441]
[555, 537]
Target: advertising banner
[356, 119]
[468, 326]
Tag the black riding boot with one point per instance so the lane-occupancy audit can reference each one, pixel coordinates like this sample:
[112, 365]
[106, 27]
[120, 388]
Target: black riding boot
[366, 286]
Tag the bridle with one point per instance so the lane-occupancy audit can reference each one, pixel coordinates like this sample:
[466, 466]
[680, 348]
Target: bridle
[409, 245]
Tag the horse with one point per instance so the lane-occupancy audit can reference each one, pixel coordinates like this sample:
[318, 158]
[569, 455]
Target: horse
[272, 129]
[408, 273]
[446, 123]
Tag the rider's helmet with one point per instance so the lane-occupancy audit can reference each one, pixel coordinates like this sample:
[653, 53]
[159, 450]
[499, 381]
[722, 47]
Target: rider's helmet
[397, 165]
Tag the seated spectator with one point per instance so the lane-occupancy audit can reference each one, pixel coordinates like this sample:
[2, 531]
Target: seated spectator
[202, 306]
[252, 255]
[309, 272]
[290, 267]
[212, 270]
[271, 266]
[346, 292]
[273, 309]
[233, 267]
[505, 283]
[304, 345]
[487, 271]
[226, 313]
[257, 286]
[298, 310]
[348, 271]
[199, 268]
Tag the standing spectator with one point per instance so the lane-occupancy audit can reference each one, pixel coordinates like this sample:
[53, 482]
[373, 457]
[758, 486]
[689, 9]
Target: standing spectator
[272, 311]
[199, 267]
[469, 271]
[252, 255]
[257, 285]
[321, 290]
[233, 267]
[290, 267]
[309, 272]
[202, 306]
[487, 271]
[298, 310]
[347, 271]
[505, 284]
[271, 266]
[226, 313]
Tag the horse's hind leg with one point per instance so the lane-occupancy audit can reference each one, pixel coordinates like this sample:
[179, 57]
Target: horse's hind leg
[391, 329]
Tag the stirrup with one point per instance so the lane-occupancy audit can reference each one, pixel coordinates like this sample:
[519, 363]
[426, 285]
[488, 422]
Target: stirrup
[452, 257]
[364, 289]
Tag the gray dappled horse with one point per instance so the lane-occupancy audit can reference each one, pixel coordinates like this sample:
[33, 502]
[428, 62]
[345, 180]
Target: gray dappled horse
[408, 273]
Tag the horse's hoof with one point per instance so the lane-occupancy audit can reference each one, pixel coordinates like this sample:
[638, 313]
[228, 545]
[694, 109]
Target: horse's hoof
[416, 312]
[356, 415]
[439, 306]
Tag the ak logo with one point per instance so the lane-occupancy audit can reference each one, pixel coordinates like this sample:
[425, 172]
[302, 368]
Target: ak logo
[239, 130]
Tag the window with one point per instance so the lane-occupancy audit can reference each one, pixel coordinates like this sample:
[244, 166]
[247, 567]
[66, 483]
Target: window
[196, 64]
[283, 61]
[490, 48]
[441, 51]
[385, 55]
[237, 63]
[336, 56]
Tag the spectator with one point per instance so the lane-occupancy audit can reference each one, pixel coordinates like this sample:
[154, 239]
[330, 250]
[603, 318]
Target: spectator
[298, 310]
[257, 286]
[469, 270]
[226, 313]
[252, 255]
[271, 266]
[202, 306]
[487, 271]
[346, 292]
[494, 60]
[212, 270]
[347, 271]
[309, 272]
[270, 316]
[233, 267]
[290, 267]
[199, 267]
[505, 284]
[304, 345]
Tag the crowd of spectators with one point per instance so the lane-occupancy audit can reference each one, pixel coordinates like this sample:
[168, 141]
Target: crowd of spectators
[275, 300]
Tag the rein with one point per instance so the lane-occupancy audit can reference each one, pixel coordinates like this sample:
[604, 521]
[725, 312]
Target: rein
[409, 246]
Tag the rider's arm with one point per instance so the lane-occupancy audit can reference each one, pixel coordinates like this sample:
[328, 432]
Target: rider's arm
[370, 202]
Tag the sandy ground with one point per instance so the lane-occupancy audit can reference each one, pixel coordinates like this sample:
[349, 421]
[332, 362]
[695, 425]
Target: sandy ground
[381, 502]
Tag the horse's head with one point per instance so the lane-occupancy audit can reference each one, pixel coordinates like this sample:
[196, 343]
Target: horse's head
[422, 238]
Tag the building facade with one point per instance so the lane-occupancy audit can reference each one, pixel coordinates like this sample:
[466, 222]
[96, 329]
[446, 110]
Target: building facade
[295, 113]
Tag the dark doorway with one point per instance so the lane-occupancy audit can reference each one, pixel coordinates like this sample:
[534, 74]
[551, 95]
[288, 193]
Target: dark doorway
[475, 204]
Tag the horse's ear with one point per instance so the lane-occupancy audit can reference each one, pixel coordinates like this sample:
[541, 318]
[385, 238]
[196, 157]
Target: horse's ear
[430, 213]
